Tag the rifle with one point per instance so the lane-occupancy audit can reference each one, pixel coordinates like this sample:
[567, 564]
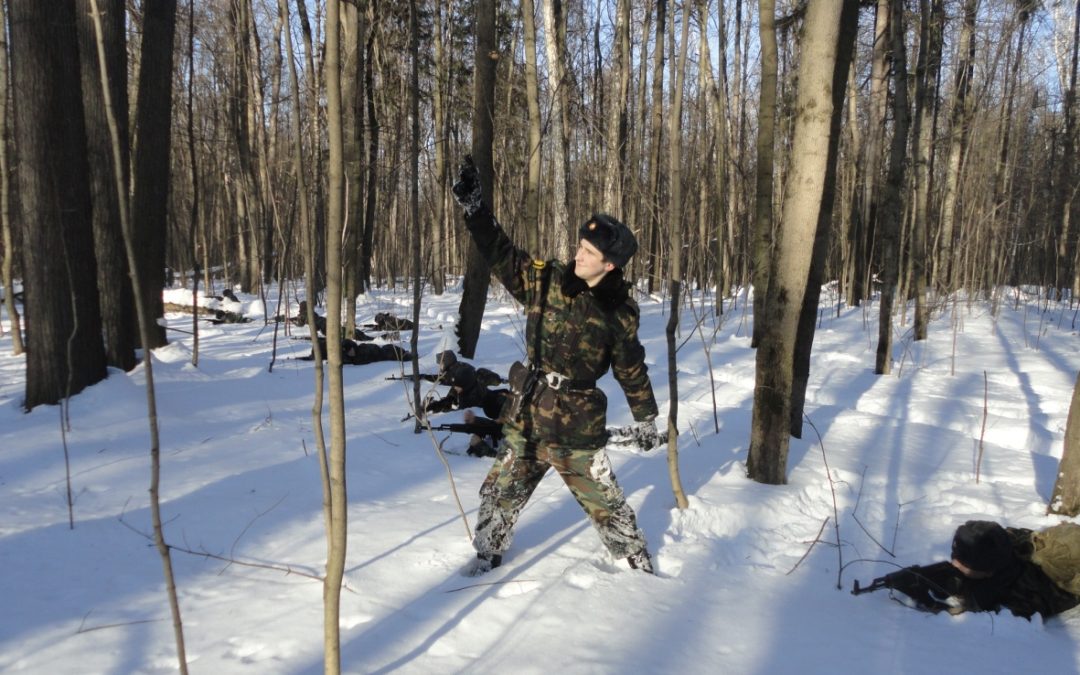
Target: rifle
[927, 585]
[409, 377]
[479, 427]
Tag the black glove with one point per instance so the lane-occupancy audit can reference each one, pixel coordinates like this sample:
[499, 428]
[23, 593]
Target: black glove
[467, 190]
[440, 405]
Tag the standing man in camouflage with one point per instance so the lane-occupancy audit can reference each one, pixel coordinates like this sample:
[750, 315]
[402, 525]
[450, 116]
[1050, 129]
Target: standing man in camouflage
[580, 322]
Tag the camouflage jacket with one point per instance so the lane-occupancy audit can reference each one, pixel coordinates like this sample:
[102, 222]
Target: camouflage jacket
[575, 331]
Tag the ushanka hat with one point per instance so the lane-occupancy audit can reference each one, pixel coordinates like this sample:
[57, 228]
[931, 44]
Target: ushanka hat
[610, 237]
[983, 546]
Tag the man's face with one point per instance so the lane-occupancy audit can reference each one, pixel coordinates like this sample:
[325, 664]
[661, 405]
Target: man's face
[590, 265]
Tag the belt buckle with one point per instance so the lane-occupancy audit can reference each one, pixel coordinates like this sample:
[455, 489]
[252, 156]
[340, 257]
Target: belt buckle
[554, 380]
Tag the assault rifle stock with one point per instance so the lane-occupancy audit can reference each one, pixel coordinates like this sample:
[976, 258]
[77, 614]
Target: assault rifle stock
[927, 585]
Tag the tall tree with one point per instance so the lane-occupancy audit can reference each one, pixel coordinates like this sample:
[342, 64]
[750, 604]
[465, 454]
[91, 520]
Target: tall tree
[7, 277]
[63, 320]
[803, 189]
[477, 274]
[1065, 499]
[804, 339]
[118, 316]
[763, 190]
[656, 126]
[532, 98]
[617, 116]
[675, 266]
[1066, 192]
[151, 156]
[555, 48]
[959, 125]
[892, 208]
[335, 489]
[927, 71]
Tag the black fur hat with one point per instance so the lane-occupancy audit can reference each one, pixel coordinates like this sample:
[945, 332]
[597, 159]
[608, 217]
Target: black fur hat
[983, 546]
[610, 237]
[461, 375]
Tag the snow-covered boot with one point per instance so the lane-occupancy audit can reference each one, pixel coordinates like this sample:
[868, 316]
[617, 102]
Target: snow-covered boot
[484, 563]
[641, 561]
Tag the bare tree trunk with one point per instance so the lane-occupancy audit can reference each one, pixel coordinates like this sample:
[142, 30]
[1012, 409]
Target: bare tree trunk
[674, 220]
[150, 173]
[892, 211]
[617, 107]
[352, 122]
[119, 329]
[477, 274]
[441, 247]
[763, 193]
[64, 349]
[1065, 499]
[652, 267]
[804, 340]
[532, 97]
[337, 537]
[721, 248]
[960, 122]
[867, 222]
[927, 71]
[1066, 178]
[414, 199]
[804, 186]
[145, 323]
[5, 194]
[558, 84]
[371, 200]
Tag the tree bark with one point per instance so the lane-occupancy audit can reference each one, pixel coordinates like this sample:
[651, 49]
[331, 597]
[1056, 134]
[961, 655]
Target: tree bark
[927, 71]
[337, 537]
[763, 192]
[804, 188]
[1065, 499]
[5, 196]
[151, 157]
[477, 274]
[651, 265]
[675, 276]
[892, 210]
[63, 325]
[804, 339]
[119, 329]
[960, 122]
[558, 85]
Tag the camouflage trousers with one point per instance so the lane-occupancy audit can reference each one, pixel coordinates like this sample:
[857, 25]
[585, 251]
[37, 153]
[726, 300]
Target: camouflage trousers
[517, 471]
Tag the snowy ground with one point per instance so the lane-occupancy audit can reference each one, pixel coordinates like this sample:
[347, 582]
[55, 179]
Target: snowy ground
[741, 588]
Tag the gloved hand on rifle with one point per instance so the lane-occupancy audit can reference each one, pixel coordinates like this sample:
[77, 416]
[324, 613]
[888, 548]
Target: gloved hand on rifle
[467, 191]
[440, 405]
[643, 435]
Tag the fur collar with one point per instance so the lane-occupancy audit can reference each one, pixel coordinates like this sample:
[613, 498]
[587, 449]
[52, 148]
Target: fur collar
[611, 292]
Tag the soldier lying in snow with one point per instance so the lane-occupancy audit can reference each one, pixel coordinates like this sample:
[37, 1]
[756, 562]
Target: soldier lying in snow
[320, 324]
[358, 354]
[994, 568]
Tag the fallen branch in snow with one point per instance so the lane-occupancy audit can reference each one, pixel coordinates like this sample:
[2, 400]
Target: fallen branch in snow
[80, 630]
[811, 548]
[277, 567]
[832, 488]
[490, 583]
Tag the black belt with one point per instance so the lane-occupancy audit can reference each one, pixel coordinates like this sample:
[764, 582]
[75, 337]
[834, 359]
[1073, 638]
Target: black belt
[558, 381]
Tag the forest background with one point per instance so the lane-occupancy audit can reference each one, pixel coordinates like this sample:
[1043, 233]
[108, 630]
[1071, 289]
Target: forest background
[905, 150]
